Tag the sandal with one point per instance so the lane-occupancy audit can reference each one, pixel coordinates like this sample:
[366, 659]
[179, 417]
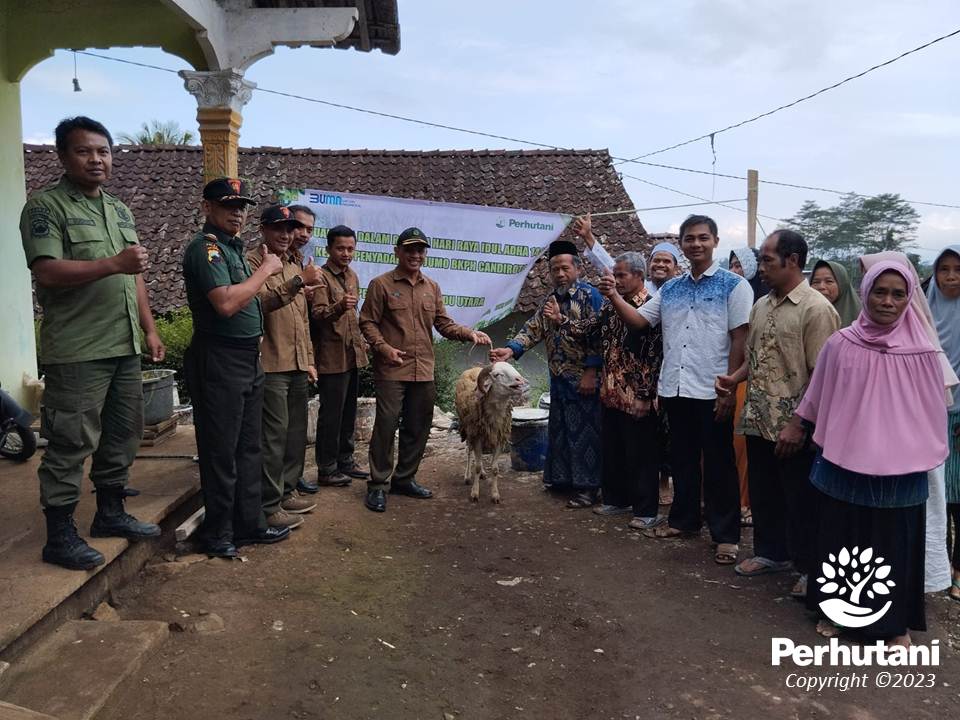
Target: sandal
[762, 566]
[665, 532]
[582, 500]
[726, 553]
[955, 596]
[799, 590]
[827, 629]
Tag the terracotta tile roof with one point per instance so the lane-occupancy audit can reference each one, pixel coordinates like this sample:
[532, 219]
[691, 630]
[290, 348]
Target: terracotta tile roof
[162, 184]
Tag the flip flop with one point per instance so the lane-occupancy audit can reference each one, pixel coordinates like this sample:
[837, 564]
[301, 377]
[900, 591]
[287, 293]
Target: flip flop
[665, 532]
[954, 596]
[766, 566]
[726, 553]
[827, 629]
[582, 500]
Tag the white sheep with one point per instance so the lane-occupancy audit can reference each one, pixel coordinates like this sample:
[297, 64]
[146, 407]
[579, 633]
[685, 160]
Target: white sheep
[484, 398]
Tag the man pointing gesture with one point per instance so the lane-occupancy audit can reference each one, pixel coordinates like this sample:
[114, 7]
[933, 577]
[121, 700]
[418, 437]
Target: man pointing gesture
[400, 312]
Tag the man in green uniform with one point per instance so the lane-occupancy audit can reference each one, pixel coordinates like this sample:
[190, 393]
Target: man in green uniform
[82, 247]
[223, 371]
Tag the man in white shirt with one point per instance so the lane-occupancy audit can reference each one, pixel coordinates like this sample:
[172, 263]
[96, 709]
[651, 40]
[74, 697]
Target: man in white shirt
[664, 258]
[704, 315]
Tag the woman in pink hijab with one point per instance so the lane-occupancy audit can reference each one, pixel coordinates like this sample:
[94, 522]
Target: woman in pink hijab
[875, 403]
[937, 573]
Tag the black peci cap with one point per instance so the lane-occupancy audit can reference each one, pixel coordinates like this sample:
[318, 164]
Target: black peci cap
[561, 247]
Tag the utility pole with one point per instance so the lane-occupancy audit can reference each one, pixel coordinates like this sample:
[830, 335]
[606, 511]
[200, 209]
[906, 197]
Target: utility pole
[753, 182]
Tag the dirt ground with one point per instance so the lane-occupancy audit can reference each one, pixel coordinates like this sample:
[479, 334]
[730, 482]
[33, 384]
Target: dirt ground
[444, 609]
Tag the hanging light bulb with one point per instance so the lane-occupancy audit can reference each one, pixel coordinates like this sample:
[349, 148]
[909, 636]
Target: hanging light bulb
[76, 82]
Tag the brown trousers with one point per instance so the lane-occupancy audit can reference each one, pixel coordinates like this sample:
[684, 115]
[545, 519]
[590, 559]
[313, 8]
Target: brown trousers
[409, 406]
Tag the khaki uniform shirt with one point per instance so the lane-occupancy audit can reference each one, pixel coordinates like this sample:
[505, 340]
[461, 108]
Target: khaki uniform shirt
[95, 320]
[286, 343]
[786, 335]
[402, 314]
[338, 343]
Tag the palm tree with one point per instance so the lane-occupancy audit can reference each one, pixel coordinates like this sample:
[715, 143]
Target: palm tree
[158, 133]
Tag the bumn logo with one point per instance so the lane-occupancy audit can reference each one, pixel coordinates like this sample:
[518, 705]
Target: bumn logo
[853, 571]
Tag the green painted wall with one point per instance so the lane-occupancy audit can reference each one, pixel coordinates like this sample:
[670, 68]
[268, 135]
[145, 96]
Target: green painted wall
[101, 24]
[17, 349]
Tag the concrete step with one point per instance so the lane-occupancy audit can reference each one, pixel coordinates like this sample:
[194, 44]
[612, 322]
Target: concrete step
[14, 712]
[74, 671]
[34, 594]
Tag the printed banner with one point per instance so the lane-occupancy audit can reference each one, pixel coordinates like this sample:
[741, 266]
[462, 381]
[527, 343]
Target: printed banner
[479, 255]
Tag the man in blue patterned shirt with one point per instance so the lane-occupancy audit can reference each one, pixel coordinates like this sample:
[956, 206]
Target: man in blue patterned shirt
[573, 453]
[704, 315]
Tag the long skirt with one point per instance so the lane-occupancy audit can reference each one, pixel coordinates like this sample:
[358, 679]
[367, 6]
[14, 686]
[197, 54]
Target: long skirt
[574, 453]
[938, 561]
[952, 469]
[895, 535]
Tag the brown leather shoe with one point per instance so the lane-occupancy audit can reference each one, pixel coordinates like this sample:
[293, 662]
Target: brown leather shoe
[355, 471]
[338, 479]
[297, 503]
[283, 519]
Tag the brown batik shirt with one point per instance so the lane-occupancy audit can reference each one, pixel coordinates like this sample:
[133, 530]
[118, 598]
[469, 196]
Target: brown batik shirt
[631, 358]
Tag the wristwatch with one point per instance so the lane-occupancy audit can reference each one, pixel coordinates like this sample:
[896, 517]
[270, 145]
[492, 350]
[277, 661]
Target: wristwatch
[297, 281]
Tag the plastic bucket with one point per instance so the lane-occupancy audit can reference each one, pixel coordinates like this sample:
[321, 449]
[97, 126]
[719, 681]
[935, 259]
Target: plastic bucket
[157, 396]
[528, 439]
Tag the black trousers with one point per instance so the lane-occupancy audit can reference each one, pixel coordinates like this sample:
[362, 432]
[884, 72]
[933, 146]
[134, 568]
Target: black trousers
[953, 511]
[338, 417]
[225, 382]
[783, 502]
[694, 434]
[631, 461]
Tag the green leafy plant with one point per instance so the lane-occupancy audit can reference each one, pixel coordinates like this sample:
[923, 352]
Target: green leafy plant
[176, 330]
[445, 374]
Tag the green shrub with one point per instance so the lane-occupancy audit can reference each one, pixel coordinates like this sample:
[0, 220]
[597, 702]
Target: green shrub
[175, 330]
[445, 374]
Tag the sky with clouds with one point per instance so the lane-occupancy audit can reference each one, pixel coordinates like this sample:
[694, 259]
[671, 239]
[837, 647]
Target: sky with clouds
[629, 76]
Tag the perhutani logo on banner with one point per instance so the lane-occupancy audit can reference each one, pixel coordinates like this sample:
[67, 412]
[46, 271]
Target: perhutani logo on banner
[511, 224]
[858, 583]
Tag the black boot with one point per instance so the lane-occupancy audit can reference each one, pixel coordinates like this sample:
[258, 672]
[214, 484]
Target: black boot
[112, 521]
[64, 547]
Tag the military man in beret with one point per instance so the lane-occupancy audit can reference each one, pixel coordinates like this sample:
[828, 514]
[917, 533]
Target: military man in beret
[286, 354]
[223, 371]
[81, 245]
[400, 312]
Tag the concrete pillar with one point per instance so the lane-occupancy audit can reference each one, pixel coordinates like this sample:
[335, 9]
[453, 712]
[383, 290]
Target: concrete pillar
[220, 96]
[17, 345]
